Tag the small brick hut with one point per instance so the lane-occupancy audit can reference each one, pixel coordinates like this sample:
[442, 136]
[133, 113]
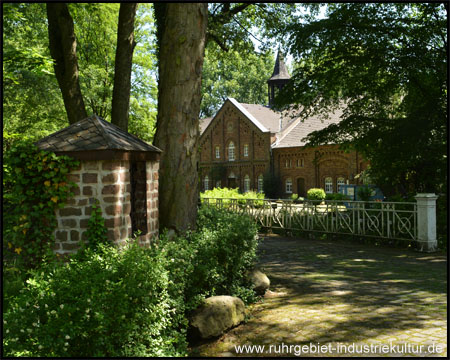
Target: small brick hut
[117, 169]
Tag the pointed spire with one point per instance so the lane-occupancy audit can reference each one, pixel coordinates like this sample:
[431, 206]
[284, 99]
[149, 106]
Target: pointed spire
[280, 71]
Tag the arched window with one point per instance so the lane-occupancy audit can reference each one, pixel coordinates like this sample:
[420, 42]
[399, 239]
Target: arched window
[217, 152]
[246, 183]
[260, 183]
[340, 181]
[231, 151]
[289, 185]
[246, 150]
[328, 185]
[206, 183]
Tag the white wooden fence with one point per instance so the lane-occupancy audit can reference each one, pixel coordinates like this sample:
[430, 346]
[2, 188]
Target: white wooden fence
[414, 221]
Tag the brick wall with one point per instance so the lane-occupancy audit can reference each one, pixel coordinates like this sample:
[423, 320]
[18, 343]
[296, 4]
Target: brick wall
[230, 125]
[318, 163]
[109, 183]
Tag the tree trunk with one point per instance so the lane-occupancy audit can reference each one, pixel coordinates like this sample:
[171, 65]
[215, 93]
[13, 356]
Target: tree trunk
[63, 48]
[122, 73]
[181, 53]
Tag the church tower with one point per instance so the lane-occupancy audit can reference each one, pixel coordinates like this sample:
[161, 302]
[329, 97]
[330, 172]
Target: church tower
[279, 78]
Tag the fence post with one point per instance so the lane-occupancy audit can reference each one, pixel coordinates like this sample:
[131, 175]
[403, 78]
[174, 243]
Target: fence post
[426, 222]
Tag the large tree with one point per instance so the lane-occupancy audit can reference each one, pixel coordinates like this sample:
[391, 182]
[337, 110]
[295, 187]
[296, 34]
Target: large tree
[388, 64]
[63, 47]
[124, 58]
[182, 37]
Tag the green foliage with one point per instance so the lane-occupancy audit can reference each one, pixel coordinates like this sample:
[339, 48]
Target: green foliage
[96, 231]
[233, 74]
[226, 193]
[131, 302]
[33, 104]
[213, 260]
[35, 185]
[336, 196]
[294, 197]
[388, 63]
[112, 303]
[364, 193]
[442, 221]
[315, 194]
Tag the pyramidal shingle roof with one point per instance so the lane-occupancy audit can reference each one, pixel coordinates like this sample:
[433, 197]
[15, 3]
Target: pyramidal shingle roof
[93, 133]
[280, 71]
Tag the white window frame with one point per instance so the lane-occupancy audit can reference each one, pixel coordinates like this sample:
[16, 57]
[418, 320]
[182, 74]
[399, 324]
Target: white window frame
[206, 182]
[300, 163]
[339, 181]
[231, 154]
[217, 152]
[328, 185]
[260, 183]
[246, 150]
[246, 183]
[288, 186]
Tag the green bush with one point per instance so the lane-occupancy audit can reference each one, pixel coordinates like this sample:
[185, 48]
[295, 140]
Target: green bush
[294, 197]
[364, 193]
[213, 260]
[129, 302]
[336, 196]
[35, 184]
[315, 194]
[226, 193]
[112, 303]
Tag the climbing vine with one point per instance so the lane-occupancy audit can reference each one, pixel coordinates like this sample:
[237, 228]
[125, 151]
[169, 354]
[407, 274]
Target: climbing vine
[35, 184]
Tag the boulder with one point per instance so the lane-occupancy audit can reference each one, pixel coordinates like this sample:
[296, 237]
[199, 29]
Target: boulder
[259, 280]
[216, 315]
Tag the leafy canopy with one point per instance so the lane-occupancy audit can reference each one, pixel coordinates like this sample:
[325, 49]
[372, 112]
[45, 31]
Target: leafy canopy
[386, 64]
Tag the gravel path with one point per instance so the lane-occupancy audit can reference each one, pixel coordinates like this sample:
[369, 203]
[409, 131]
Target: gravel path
[338, 293]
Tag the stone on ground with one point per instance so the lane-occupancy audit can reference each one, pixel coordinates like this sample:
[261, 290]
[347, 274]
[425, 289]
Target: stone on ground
[260, 281]
[216, 315]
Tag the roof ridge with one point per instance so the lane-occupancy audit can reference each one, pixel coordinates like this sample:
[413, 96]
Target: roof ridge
[288, 130]
[102, 129]
[248, 115]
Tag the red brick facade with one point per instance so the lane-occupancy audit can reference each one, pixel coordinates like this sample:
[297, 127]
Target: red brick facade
[256, 155]
[109, 182]
[251, 150]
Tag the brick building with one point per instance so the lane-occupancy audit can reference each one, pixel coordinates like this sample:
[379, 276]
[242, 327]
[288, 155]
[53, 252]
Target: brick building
[118, 171]
[244, 142]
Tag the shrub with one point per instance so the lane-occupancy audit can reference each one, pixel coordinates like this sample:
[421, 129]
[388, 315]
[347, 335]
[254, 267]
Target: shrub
[213, 260]
[315, 194]
[113, 303]
[96, 231]
[226, 193]
[336, 196]
[364, 193]
[35, 185]
[294, 197]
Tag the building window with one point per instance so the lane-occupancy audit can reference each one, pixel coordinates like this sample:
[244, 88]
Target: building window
[246, 150]
[300, 163]
[260, 183]
[231, 151]
[230, 127]
[217, 152]
[287, 164]
[206, 183]
[289, 186]
[218, 184]
[340, 181]
[328, 185]
[246, 183]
